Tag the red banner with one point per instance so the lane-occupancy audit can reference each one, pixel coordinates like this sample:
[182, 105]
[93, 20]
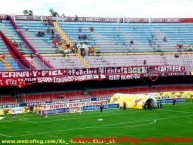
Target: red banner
[33, 73]
[22, 78]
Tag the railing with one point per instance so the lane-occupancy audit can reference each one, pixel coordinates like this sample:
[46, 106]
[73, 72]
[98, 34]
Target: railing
[29, 44]
[84, 62]
[68, 41]
[64, 36]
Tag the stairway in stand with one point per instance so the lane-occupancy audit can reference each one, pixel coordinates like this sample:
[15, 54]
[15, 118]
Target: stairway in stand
[68, 41]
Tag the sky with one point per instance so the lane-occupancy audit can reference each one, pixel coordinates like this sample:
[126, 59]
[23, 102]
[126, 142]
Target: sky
[102, 8]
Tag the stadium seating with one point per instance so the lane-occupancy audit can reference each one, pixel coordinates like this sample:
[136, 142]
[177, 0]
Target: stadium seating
[42, 44]
[60, 96]
[7, 100]
[7, 28]
[115, 37]
[65, 62]
[137, 60]
[29, 98]
[109, 37]
[70, 95]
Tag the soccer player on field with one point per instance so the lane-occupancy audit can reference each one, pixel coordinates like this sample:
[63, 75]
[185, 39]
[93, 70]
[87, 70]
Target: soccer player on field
[101, 107]
[124, 105]
[13, 115]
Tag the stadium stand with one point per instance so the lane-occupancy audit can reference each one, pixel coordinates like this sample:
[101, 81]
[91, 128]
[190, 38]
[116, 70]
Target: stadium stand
[98, 93]
[42, 43]
[116, 37]
[69, 61]
[114, 45]
[7, 28]
[133, 60]
[7, 100]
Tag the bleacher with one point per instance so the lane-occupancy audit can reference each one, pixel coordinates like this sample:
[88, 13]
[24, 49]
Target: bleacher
[7, 100]
[116, 37]
[28, 98]
[7, 28]
[70, 95]
[137, 60]
[65, 62]
[42, 43]
[107, 37]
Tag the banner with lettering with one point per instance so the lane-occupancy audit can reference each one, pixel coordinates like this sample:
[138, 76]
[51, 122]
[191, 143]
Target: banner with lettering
[28, 77]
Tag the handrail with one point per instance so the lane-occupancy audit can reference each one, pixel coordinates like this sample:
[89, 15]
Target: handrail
[68, 41]
[30, 45]
[15, 53]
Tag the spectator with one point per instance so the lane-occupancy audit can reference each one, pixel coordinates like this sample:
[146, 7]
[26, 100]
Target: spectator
[83, 52]
[76, 18]
[176, 55]
[79, 36]
[50, 22]
[79, 45]
[97, 52]
[131, 42]
[15, 43]
[179, 45]
[3, 57]
[40, 33]
[19, 44]
[91, 51]
[190, 48]
[66, 57]
[91, 29]
[49, 30]
[31, 56]
[165, 39]
[26, 28]
[84, 36]
[144, 62]
[57, 36]
[68, 46]
[52, 31]
[45, 23]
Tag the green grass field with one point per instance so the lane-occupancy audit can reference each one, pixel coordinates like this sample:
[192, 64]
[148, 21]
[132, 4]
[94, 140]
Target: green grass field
[149, 127]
